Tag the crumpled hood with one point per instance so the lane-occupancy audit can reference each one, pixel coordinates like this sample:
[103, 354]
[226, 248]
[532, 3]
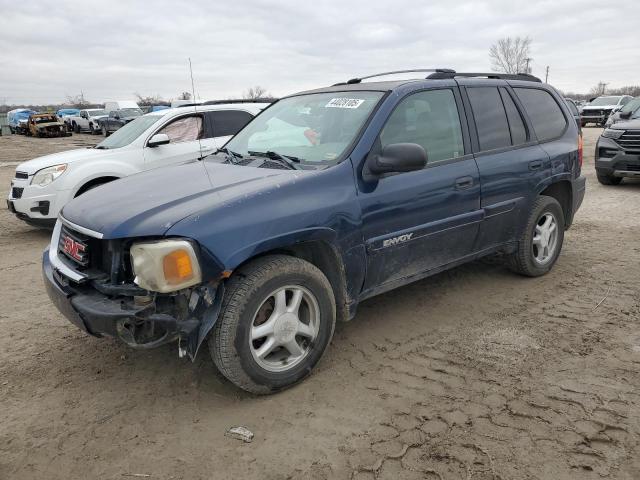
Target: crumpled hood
[50, 124]
[70, 156]
[150, 203]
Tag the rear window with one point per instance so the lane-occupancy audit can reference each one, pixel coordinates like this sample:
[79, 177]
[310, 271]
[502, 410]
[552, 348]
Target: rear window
[490, 117]
[544, 112]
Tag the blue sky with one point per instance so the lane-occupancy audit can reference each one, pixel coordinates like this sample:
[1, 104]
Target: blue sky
[110, 50]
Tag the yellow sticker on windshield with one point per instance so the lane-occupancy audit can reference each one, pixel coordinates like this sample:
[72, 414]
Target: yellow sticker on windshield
[344, 103]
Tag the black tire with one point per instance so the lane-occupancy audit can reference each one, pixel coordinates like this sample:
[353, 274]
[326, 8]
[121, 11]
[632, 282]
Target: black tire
[247, 289]
[105, 132]
[609, 179]
[76, 128]
[523, 261]
[12, 130]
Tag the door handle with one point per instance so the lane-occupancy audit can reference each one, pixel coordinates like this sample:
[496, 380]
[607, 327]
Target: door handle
[463, 183]
[535, 165]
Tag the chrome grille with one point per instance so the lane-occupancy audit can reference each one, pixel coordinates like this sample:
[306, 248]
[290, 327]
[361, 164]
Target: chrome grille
[74, 246]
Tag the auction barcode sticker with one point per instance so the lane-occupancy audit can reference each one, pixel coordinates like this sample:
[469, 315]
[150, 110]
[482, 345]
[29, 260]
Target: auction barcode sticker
[344, 103]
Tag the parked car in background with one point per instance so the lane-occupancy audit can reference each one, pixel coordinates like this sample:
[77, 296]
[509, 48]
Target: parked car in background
[87, 120]
[325, 199]
[64, 115]
[630, 111]
[17, 120]
[117, 119]
[618, 152]
[574, 111]
[111, 106]
[154, 108]
[598, 110]
[46, 125]
[42, 186]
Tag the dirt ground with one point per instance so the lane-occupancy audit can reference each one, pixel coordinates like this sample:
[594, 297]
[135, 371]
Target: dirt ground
[472, 374]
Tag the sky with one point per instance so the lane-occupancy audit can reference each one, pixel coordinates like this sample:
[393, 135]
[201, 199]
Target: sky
[112, 49]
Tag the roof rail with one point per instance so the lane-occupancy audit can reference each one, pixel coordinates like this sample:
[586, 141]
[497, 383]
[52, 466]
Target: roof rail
[434, 70]
[242, 100]
[503, 76]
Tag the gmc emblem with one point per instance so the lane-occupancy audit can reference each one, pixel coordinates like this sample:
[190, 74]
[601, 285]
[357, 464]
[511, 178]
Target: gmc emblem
[72, 248]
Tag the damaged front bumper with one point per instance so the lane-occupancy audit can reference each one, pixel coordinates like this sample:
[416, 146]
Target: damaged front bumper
[141, 321]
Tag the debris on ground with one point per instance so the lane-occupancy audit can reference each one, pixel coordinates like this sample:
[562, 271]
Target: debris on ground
[240, 433]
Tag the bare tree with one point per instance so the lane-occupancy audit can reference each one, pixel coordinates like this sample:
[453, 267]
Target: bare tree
[78, 101]
[149, 99]
[184, 96]
[256, 92]
[511, 55]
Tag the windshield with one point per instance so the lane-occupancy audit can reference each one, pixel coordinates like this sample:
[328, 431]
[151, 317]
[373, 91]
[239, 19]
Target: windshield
[632, 106]
[604, 101]
[130, 112]
[45, 119]
[127, 134]
[96, 113]
[315, 128]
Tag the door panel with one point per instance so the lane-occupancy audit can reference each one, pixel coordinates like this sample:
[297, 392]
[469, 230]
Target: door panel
[418, 221]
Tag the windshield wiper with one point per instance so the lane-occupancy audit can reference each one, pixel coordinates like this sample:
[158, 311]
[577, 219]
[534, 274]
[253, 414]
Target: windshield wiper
[231, 155]
[101, 147]
[291, 162]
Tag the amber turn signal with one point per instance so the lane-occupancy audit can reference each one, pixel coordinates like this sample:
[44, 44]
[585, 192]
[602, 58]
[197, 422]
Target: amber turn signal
[177, 267]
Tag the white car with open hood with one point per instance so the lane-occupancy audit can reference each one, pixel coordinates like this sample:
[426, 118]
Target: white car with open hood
[42, 186]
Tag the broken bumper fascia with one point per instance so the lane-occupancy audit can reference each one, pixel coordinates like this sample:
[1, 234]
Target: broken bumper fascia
[98, 314]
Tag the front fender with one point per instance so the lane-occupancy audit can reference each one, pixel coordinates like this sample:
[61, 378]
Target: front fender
[84, 174]
[281, 241]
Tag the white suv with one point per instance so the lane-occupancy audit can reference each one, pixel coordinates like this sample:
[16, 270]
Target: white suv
[42, 186]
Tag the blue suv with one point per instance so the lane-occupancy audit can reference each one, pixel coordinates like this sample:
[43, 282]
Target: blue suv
[326, 198]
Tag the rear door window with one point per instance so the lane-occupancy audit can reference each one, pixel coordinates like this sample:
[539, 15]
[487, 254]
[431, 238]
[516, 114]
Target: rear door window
[490, 117]
[516, 124]
[228, 122]
[544, 112]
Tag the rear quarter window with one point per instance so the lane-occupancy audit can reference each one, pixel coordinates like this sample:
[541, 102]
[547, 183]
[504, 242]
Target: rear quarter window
[545, 114]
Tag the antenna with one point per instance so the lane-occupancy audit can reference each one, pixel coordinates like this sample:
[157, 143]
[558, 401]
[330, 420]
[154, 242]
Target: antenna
[195, 106]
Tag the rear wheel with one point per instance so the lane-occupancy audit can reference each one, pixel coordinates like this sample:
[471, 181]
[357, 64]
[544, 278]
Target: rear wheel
[277, 318]
[609, 179]
[76, 127]
[541, 242]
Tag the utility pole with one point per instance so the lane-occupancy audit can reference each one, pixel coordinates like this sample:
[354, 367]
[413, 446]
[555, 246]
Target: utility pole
[528, 59]
[604, 87]
[546, 77]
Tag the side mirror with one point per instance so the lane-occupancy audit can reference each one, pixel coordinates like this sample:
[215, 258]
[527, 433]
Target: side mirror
[158, 139]
[625, 115]
[117, 117]
[397, 158]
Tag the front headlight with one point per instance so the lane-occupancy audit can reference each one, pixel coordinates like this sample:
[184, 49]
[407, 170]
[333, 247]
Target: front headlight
[612, 133]
[165, 265]
[47, 175]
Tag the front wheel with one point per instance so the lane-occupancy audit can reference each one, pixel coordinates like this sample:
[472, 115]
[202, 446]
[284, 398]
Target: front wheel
[541, 241]
[277, 318]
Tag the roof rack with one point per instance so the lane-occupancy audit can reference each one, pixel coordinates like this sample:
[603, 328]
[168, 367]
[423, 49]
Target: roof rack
[242, 100]
[442, 73]
[502, 76]
[433, 70]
